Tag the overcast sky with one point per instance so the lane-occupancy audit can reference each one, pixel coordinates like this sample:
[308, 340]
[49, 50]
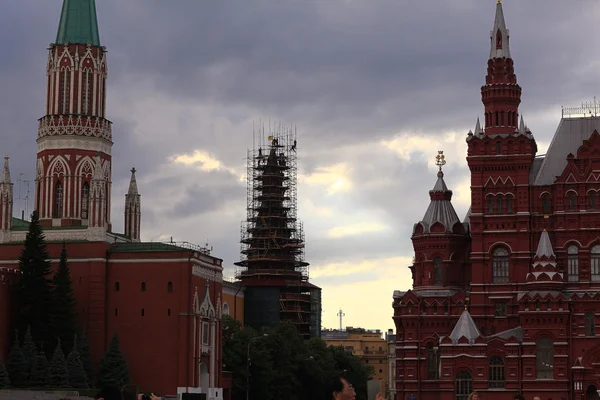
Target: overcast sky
[375, 88]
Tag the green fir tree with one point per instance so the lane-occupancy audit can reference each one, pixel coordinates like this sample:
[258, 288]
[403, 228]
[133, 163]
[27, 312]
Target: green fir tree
[40, 372]
[34, 290]
[77, 376]
[113, 367]
[4, 379]
[64, 303]
[85, 354]
[59, 374]
[16, 365]
[29, 351]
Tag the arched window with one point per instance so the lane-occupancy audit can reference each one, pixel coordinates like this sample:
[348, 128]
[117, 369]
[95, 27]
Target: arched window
[546, 203]
[491, 205]
[87, 92]
[432, 362]
[573, 264]
[496, 373]
[58, 200]
[592, 198]
[437, 271]
[544, 359]
[66, 83]
[590, 324]
[595, 261]
[572, 201]
[225, 309]
[500, 201]
[500, 265]
[509, 204]
[463, 385]
[85, 197]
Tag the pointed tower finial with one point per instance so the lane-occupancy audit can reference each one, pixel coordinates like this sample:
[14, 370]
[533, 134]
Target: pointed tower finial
[499, 36]
[133, 209]
[440, 159]
[78, 23]
[6, 171]
[133, 189]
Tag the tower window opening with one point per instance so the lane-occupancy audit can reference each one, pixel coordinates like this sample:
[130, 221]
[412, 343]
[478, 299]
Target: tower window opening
[500, 204]
[571, 202]
[143, 286]
[116, 312]
[592, 201]
[497, 122]
[590, 324]
[491, 205]
[170, 287]
[498, 39]
[500, 265]
[546, 203]
[87, 92]
[595, 261]
[573, 264]
[509, 205]
[498, 148]
[58, 199]
[65, 90]
[437, 271]
[502, 118]
[143, 312]
[85, 196]
[169, 312]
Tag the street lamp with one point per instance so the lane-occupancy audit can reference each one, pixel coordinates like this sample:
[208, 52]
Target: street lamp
[248, 364]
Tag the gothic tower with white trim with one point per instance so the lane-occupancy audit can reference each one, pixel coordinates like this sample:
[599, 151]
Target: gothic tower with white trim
[73, 176]
[133, 210]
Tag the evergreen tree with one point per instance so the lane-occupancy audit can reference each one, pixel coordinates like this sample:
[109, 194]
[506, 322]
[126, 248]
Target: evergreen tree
[29, 351]
[77, 376]
[85, 354]
[40, 372]
[59, 375]
[16, 365]
[4, 379]
[113, 367]
[64, 303]
[33, 290]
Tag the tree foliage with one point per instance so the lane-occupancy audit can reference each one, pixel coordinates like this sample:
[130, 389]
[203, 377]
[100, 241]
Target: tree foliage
[113, 367]
[77, 375]
[85, 354]
[64, 303]
[4, 379]
[16, 365]
[40, 372]
[283, 365]
[34, 290]
[59, 375]
[29, 351]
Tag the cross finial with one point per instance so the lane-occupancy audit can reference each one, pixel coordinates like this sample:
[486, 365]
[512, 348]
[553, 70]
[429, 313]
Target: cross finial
[440, 159]
[133, 170]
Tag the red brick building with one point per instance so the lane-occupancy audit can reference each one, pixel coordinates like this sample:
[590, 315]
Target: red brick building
[162, 299]
[505, 301]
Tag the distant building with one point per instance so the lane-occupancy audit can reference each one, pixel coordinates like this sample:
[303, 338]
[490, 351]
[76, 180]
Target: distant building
[233, 299]
[368, 345]
[506, 300]
[390, 338]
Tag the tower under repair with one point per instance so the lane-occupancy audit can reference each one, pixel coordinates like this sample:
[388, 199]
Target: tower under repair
[272, 266]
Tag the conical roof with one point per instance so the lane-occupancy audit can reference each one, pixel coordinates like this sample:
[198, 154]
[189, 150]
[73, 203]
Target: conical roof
[440, 207]
[544, 246]
[499, 35]
[465, 326]
[78, 23]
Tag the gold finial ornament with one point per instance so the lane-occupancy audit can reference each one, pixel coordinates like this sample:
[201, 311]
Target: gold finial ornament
[499, 2]
[440, 159]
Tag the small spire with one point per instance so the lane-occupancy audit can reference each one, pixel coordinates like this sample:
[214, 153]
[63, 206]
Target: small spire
[133, 189]
[499, 36]
[78, 23]
[522, 127]
[545, 246]
[478, 130]
[6, 171]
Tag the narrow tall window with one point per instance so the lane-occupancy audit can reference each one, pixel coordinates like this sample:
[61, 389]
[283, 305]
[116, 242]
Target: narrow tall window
[437, 271]
[571, 202]
[509, 205]
[432, 362]
[117, 286]
[592, 201]
[58, 199]
[573, 264]
[500, 204]
[544, 359]
[546, 203]
[66, 83]
[143, 286]
[169, 287]
[85, 197]
[463, 385]
[496, 373]
[500, 265]
[87, 92]
[590, 324]
[595, 261]
[498, 148]
[491, 205]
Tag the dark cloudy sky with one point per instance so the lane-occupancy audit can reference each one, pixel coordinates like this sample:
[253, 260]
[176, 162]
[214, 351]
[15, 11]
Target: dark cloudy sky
[375, 88]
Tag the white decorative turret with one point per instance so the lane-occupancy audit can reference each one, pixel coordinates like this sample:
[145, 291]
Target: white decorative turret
[499, 35]
[6, 203]
[133, 210]
[544, 273]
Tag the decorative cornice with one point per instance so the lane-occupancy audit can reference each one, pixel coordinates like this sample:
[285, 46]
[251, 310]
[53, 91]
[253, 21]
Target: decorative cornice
[73, 142]
[75, 125]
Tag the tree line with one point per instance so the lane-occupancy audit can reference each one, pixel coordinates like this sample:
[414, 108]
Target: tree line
[285, 366]
[46, 327]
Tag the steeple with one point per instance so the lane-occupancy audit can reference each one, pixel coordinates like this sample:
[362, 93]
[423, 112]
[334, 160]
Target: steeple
[6, 203]
[78, 23]
[465, 327]
[501, 95]
[133, 210]
[545, 274]
[499, 35]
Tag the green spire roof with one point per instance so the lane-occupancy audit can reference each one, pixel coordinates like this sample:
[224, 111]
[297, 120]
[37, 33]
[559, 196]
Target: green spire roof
[78, 23]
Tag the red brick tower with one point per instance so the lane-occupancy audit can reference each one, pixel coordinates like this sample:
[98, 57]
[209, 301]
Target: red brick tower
[73, 177]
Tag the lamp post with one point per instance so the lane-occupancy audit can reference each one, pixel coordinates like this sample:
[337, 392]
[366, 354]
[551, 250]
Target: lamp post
[248, 364]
